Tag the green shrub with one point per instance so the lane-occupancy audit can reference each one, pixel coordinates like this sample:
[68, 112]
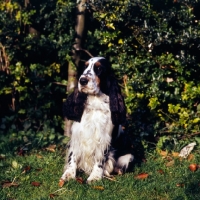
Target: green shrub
[152, 45]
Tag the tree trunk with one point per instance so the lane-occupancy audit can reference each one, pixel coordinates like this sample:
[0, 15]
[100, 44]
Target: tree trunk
[72, 70]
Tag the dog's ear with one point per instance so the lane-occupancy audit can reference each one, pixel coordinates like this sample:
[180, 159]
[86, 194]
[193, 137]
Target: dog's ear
[117, 104]
[74, 105]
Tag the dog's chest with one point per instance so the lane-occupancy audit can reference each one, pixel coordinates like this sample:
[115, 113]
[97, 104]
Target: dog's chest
[96, 120]
[96, 109]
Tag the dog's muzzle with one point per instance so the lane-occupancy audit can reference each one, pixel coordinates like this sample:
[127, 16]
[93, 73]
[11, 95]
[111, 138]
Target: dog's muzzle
[83, 81]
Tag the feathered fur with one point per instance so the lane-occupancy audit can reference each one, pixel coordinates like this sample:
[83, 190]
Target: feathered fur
[96, 106]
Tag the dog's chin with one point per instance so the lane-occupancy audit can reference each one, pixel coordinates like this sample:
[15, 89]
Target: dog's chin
[90, 91]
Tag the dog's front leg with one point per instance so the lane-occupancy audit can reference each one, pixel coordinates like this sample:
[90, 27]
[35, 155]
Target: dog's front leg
[70, 167]
[96, 173]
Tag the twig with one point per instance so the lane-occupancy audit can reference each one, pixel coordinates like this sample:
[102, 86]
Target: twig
[58, 190]
[58, 83]
[110, 179]
[168, 116]
[86, 51]
[13, 180]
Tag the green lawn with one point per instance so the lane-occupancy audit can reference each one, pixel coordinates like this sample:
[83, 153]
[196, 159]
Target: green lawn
[35, 175]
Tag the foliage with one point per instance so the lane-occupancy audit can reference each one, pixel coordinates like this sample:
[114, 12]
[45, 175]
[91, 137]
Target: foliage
[153, 47]
[35, 40]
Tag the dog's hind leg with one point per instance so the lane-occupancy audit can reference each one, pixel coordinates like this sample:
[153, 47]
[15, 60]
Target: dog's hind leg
[109, 164]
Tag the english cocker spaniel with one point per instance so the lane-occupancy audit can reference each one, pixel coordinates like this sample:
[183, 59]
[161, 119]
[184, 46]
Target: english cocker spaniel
[97, 109]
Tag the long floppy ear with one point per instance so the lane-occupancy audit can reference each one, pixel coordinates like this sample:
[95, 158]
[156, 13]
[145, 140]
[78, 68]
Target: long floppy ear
[117, 105]
[74, 105]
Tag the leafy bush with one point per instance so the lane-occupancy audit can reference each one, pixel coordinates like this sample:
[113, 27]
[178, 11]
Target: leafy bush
[153, 47]
[35, 41]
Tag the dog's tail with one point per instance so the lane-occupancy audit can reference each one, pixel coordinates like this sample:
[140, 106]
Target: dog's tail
[120, 166]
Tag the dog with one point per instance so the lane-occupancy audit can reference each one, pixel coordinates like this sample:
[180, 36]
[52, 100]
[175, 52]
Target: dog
[97, 108]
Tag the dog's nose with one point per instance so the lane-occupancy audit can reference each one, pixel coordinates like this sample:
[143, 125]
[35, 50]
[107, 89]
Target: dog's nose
[83, 81]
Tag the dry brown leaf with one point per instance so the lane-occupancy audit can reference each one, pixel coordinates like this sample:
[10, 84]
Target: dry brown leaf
[169, 158]
[175, 154]
[160, 171]
[52, 196]
[170, 163]
[39, 156]
[190, 157]
[35, 183]
[20, 152]
[26, 169]
[99, 188]
[193, 167]
[61, 182]
[80, 180]
[163, 153]
[180, 185]
[7, 184]
[142, 176]
[51, 148]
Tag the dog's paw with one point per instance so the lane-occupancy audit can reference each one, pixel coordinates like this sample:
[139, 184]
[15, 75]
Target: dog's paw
[68, 174]
[92, 179]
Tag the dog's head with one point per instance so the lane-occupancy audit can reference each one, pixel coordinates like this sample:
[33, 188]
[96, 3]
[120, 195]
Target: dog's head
[96, 77]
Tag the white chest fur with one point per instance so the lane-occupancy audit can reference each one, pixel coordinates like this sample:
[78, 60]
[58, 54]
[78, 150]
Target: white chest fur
[92, 136]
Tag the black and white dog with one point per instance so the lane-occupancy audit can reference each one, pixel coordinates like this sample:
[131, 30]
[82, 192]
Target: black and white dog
[97, 108]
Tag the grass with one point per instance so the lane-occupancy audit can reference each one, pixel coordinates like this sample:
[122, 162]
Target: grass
[37, 174]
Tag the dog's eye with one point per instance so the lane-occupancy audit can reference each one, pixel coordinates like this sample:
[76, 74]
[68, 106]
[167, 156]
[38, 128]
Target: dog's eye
[98, 70]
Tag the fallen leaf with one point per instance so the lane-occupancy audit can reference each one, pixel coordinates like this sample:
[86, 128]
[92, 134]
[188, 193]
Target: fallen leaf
[170, 163]
[80, 180]
[193, 167]
[190, 157]
[142, 176]
[163, 153]
[175, 154]
[52, 196]
[7, 184]
[39, 156]
[169, 158]
[160, 171]
[26, 169]
[51, 148]
[61, 182]
[98, 188]
[36, 184]
[180, 185]
[20, 152]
